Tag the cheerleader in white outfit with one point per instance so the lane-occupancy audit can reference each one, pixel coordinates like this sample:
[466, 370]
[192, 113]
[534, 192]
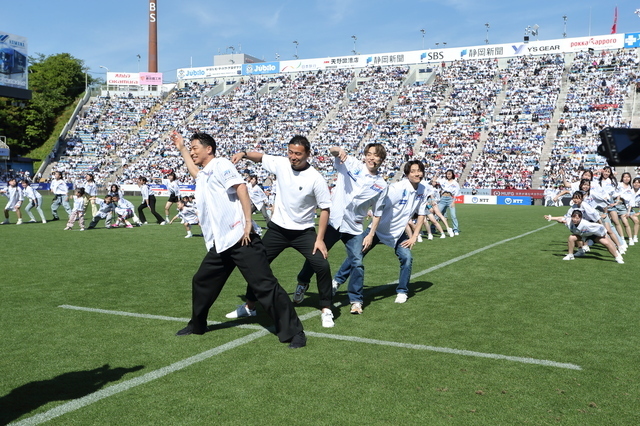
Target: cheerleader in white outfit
[14, 194]
[35, 200]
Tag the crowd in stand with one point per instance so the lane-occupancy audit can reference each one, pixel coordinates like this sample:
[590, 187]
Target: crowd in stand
[441, 122]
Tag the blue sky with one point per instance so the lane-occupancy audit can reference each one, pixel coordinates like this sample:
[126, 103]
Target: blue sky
[190, 32]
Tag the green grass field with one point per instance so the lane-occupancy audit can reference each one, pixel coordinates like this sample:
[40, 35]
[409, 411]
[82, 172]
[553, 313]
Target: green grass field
[497, 330]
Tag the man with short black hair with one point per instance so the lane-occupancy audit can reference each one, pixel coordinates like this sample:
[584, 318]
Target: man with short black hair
[224, 210]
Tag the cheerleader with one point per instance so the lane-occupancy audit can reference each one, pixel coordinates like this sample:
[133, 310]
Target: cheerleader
[80, 201]
[148, 200]
[449, 190]
[188, 215]
[580, 230]
[14, 194]
[174, 193]
[35, 200]
[91, 189]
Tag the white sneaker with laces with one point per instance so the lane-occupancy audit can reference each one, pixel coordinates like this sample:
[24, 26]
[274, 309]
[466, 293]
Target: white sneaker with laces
[430, 237]
[456, 233]
[401, 298]
[301, 289]
[450, 231]
[631, 242]
[585, 248]
[619, 259]
[568, 257]
[419, 240]
[19, 222]
[622, 249]
[635, 238]
[442, 236]
[327, 318]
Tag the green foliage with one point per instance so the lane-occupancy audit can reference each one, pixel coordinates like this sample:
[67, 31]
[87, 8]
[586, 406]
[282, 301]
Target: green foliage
[56, 81]
[516, 298]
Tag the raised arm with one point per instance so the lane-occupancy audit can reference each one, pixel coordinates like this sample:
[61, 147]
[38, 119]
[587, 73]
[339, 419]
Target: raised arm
[178, 141]
[254, 156]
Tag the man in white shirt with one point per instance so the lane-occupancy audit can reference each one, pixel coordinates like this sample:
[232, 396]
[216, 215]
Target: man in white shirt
[224, 210]
[358, 188]
[59, 189]
[300, 190]
[391, 215]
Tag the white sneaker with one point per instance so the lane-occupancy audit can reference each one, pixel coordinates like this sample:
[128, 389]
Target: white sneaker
[188, 236]
[241, 312]
[456, 233]
[622, 249]
[334, 287]
[450, 231]
[356, 308]
[568, 257]
[19, 222]
[6, 222]
[44, 221]
[163, 223]
[327, 318]
[442, 236]
[635, 239]
[32, 221]
[579, 253]
[619, 259]
[419, 240]
[631, 242]
[430, 237]
[401, 298]
[585, 248]
[298, 296]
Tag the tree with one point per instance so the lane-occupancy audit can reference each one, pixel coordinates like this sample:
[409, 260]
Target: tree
[55, 82]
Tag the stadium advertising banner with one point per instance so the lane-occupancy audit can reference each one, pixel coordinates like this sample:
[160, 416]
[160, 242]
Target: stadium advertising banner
[480, 199]
[631, 40]
[209, 72]
[302, 65]
[13, 61]
[151, 78]
[534, 193]
[514, 201]
[134, 78]
[261, 68]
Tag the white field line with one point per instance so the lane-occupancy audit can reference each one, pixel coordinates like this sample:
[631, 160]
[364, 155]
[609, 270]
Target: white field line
[128, 384]
[156, 374]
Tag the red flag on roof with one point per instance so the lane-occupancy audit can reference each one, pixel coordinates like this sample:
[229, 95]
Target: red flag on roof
[614, 28]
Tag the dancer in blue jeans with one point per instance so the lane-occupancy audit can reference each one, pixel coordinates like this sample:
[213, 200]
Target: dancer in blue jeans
[449, 190]
[389, 226]
[358, 188]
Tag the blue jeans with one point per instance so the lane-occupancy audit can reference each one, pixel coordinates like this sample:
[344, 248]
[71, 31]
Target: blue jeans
[449, 203]
[353, 246]
[356, 279]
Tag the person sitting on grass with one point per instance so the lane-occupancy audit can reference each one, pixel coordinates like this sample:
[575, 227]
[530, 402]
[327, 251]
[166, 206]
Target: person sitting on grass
[123, 210]
[580, 230]
[189, 216]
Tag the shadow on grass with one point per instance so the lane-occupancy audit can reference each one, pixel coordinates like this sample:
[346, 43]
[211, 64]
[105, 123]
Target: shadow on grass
[76, 384]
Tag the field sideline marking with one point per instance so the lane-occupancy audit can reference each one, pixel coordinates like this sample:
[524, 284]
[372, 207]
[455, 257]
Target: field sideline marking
[76, 404]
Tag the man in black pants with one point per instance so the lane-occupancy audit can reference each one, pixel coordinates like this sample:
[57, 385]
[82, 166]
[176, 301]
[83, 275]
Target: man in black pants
[224, 210]
[300, 190]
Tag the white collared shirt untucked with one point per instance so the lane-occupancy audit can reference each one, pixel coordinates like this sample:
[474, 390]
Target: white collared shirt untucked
[219, 208]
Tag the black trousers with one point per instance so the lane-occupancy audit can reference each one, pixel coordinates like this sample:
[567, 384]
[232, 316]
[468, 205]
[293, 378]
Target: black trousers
[252, 262]
[277, 238]
[152, 207]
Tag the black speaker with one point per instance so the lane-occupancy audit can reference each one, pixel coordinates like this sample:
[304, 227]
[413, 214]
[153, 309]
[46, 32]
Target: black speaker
[526, 39]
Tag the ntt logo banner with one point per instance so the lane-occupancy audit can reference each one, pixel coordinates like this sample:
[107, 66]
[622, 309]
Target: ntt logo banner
[514, 201]
[262, 68]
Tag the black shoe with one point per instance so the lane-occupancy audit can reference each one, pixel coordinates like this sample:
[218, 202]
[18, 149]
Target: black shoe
[185, 331]
[298, 341]
[55, 218]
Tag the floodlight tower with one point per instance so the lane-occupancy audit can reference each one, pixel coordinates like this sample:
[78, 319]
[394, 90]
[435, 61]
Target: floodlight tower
[486, 40]
[153, 36]
[564, 34]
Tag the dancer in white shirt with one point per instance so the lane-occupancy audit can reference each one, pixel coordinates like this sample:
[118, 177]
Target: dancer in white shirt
[35, 200]
[14, 194]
